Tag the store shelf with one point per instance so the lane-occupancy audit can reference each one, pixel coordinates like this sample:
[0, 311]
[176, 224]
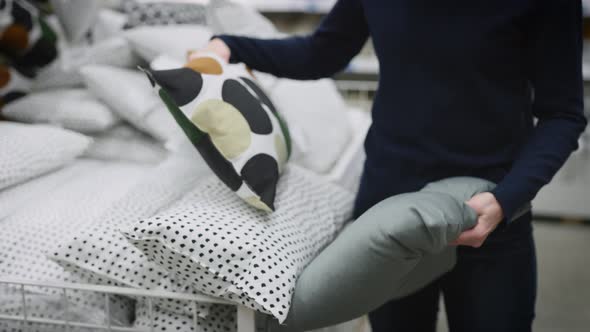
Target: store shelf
[291, 6]
[567, 195]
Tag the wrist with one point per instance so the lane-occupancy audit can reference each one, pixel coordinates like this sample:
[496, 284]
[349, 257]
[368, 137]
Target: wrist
[218, 46]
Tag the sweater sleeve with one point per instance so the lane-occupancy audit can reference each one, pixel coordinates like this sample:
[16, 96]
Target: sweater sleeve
[556, 79]
[339, 37]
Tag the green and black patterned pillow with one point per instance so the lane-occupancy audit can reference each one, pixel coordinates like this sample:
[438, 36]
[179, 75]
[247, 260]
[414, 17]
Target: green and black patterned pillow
[25, 38]
[232, 123]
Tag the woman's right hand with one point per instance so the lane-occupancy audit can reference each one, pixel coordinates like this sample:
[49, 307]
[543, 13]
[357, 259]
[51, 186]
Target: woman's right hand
[216, 46]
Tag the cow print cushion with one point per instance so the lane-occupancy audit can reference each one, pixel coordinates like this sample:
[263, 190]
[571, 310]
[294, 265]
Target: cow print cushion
[226, 249]
[25, 38]
[231, 122]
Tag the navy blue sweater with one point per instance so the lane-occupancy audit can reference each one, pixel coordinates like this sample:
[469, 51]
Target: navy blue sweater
[460, 84]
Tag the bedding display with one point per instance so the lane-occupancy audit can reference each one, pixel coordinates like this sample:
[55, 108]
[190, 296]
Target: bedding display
[98, 156]
[130, 96]
[221, 318]
[83, 252]
[227, 249]
[16, 197]
[126, 143]
[65, 71]
[27, 151]
[41, 222]
[74, 109]
[231, 122]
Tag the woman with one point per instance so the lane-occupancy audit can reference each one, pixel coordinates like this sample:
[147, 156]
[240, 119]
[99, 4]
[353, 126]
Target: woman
[460, 83]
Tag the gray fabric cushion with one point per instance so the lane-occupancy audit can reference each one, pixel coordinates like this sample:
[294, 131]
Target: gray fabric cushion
[395, 248]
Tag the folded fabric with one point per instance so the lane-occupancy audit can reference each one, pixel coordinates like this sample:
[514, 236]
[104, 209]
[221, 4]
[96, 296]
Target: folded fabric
[27, 151]
[231, 122]
[215, 242]
[162, 13]
[125, 143]
[175, 40]
[130, 95]
[395, 248]
[74, 109]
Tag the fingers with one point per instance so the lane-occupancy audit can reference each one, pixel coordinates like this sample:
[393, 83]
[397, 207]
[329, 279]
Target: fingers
[474, 237]
[216, 46]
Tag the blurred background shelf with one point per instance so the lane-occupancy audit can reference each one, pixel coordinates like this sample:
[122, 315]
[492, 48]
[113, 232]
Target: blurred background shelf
[291, 6]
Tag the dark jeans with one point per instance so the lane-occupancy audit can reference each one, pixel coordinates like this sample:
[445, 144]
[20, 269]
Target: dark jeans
[492, 288]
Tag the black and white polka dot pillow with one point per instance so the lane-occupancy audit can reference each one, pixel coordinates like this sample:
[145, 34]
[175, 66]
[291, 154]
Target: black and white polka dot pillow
[226, 248]
[28, 232]
[103, 256]
[221, 318]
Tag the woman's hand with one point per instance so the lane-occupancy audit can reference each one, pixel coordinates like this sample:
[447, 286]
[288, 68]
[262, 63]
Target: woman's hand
[489, 214]
[216, 46]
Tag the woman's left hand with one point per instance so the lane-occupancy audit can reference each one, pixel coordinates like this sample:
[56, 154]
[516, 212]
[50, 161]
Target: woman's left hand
[489, 214]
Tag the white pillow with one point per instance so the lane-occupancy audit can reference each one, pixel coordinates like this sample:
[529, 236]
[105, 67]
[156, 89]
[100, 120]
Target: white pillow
[221, 318]
[109, 23]
[319, 111]
[76, 17]
[226, 17]
[42, 221]
[74, 109]
[225, 248]
[27, 151]
[130, 95]
[65, 71]
[172, 40]
[84, 254]
[126, 143]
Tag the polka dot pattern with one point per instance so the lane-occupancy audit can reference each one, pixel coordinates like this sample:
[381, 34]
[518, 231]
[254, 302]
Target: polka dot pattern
[105, 257]
[225, 248]
[27, 151]
[221, 318]
[211, 114]
[30, 231]
[158, 13]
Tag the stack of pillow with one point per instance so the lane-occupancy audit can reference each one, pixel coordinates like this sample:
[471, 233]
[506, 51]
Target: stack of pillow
[89, 99]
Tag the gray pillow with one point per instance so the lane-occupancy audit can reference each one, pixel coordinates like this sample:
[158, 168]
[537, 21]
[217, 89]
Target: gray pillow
[395, 248]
